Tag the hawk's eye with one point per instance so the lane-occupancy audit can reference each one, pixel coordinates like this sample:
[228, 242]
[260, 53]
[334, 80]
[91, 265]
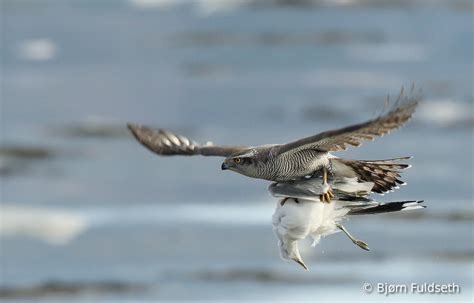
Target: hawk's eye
[237, 160]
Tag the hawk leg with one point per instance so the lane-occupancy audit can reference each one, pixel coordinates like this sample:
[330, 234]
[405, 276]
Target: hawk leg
[357, 242]
[327, 194]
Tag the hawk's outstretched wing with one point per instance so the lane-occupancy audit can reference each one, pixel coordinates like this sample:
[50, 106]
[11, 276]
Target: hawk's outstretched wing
[166, 143]
[336, 140]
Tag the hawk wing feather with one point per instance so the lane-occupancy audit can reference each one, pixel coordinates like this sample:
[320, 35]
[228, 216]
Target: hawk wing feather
[166, 143]
[339, 139]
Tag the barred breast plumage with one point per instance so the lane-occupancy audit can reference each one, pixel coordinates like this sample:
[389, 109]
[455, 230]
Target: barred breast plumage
[293, 165]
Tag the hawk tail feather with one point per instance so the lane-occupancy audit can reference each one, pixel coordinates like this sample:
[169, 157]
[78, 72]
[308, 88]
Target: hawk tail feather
[385, 174]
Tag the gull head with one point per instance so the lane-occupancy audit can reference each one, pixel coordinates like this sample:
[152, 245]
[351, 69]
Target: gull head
[292, 223]
[289, 251]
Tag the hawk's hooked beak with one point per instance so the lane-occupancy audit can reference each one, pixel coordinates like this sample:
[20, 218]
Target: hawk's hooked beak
[224, 166]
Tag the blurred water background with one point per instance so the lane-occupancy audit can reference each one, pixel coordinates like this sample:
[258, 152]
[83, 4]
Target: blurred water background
[88, 214]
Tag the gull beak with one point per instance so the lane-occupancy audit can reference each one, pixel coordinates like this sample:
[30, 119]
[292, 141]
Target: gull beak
[300, 262]
[224, 166]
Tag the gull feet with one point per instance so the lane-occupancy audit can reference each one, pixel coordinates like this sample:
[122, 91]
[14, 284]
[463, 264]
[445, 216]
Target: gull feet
[361, 244]
[357, 242]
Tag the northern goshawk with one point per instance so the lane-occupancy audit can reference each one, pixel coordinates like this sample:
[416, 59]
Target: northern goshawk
[305, 158]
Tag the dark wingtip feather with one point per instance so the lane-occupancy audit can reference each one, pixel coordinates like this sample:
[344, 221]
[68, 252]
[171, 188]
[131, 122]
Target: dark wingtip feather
[138, 132]
[163, 142]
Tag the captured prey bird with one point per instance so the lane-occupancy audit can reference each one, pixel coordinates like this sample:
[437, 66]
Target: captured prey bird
[306, 165]
[298, 215]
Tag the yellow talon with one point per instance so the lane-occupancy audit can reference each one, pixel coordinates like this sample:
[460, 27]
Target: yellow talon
[328, 198]
[331, 194]
[325, 198]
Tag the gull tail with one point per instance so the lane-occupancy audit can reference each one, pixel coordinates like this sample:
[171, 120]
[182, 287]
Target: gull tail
[387, 207]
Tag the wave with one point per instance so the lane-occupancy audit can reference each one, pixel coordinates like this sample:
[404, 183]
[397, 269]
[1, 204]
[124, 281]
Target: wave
[202, 7]
[37, 50]
[62, 288]
[53, 226]
[208, 7]
[225, 213]
[446, 113]
[389, 52]
[352, 78]
[60, 226]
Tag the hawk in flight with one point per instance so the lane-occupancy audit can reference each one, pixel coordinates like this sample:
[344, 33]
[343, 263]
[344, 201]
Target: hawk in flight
[309, 157]
[305, 171]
